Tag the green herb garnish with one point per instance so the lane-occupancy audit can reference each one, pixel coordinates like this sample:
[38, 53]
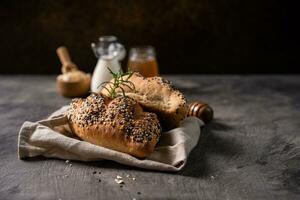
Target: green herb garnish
[118, 82]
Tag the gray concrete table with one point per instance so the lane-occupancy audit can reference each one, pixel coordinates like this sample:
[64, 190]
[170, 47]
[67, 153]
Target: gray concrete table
[250, 151]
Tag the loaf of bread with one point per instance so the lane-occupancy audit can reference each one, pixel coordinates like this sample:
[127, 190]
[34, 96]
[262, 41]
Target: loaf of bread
[157, 95]
[119, 124]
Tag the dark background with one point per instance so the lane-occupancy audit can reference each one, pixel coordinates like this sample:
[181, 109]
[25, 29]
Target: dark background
[196, 36]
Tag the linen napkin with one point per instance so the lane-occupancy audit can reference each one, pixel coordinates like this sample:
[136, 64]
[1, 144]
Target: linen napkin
[53, 138]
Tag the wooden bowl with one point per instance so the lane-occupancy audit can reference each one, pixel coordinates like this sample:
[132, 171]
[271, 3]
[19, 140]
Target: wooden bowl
[73, 88]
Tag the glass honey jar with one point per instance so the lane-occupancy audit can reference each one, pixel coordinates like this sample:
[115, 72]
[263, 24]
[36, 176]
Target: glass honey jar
[142, 59]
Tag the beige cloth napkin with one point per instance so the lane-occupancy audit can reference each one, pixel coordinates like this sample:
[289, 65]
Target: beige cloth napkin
[52, 138]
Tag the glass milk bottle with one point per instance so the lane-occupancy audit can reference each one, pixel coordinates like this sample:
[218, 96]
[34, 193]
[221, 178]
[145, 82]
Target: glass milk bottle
[109, 53]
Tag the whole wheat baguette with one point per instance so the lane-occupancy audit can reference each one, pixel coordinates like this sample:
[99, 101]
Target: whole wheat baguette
[119, 124]
[157, 95]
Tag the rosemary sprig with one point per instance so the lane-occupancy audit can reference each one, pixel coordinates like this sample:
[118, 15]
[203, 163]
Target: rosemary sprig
[118, 82]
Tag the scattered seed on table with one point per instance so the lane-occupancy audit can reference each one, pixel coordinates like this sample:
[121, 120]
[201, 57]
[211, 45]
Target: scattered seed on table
[119, 181]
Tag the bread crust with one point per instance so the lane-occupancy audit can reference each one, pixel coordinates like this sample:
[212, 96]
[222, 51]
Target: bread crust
[157, 95]
[119, 124]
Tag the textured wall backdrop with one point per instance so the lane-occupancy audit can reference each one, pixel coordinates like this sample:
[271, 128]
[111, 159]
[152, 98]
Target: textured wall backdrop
[191, 36]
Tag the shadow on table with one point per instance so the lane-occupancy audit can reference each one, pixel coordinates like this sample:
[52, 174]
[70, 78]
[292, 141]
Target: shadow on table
[213, 141]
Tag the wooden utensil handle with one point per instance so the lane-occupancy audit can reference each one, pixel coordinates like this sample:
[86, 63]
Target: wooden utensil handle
[63, 55]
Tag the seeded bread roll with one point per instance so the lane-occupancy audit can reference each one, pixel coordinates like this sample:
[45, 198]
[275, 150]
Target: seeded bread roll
[157, 95]
[119, 124]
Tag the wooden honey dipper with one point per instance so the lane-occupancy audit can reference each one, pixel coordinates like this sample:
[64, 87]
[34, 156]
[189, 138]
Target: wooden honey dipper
[201, 110]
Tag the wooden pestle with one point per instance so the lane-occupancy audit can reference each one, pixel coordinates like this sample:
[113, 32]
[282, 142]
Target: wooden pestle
[201, 110]
[65, 59]
[67, 87]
